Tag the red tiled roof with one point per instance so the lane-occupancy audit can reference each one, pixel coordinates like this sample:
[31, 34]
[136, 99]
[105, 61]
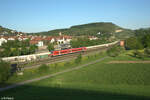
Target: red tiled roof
[33, 42]
[48, 38]
[37, 39]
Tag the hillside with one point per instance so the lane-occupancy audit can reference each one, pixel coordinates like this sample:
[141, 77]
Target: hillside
[126, 33]
[91, 29]
[4, 30]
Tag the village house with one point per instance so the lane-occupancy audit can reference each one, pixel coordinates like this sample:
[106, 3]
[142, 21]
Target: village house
[49, 39]
[22, 38]
[63, 42]
[11, 38]
[63, 39]
[93, 38]
[67, 39]
[2, 40]
[60, 40]
[37, 41]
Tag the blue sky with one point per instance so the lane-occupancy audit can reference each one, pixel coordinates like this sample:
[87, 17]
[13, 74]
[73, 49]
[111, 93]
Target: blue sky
[44, 15]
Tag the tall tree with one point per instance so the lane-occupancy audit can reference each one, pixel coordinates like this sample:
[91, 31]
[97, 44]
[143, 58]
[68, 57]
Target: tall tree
[4, 71]
[133, 43]
[50, 47]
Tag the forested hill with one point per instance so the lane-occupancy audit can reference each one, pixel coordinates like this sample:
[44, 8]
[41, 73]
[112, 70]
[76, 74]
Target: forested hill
[85, 29]
[142, 31]
[88, 29]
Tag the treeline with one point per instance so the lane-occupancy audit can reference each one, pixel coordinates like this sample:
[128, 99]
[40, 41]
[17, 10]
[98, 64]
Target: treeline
[17, 48]
[140, 43]
[84, 42]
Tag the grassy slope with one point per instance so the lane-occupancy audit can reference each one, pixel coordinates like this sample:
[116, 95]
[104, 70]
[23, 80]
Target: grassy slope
[53, 68]
[98, 81]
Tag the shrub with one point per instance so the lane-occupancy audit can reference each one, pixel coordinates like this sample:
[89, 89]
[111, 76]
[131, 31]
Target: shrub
[138, 54]
[56, 64]
[78, 59]
[4, 71]
[67, 64]
[147, 51]
[115, 51]
[43, 68]
[146, 40]
[133, 43]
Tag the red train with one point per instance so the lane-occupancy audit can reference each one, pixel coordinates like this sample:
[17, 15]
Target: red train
[67, 51]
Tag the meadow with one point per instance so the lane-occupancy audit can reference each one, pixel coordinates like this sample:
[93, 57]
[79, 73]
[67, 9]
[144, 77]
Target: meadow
[102, 81]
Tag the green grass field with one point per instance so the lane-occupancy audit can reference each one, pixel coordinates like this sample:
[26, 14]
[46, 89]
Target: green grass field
[100, 81]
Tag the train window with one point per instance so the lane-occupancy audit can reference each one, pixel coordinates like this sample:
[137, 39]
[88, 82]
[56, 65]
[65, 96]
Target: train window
[74, 50]
[64, 51]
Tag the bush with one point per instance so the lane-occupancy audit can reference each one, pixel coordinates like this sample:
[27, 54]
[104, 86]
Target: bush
[147, 51]
[4, 71]
[115, 51]
[43, 68]
[67, 63]
[138, 54]
[133, 43]
[78, 59]
[146, 40]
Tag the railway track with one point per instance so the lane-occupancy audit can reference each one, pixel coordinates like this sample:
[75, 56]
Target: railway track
[61, 58]
[52, 60]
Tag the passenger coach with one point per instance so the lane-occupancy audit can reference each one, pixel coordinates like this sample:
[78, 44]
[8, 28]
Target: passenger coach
[67, 51]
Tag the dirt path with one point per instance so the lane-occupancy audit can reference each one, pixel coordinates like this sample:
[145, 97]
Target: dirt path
[127, 62]
[49, 76]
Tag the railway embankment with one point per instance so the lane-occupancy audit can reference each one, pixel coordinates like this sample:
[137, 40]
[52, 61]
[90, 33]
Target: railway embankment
[32, 72]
